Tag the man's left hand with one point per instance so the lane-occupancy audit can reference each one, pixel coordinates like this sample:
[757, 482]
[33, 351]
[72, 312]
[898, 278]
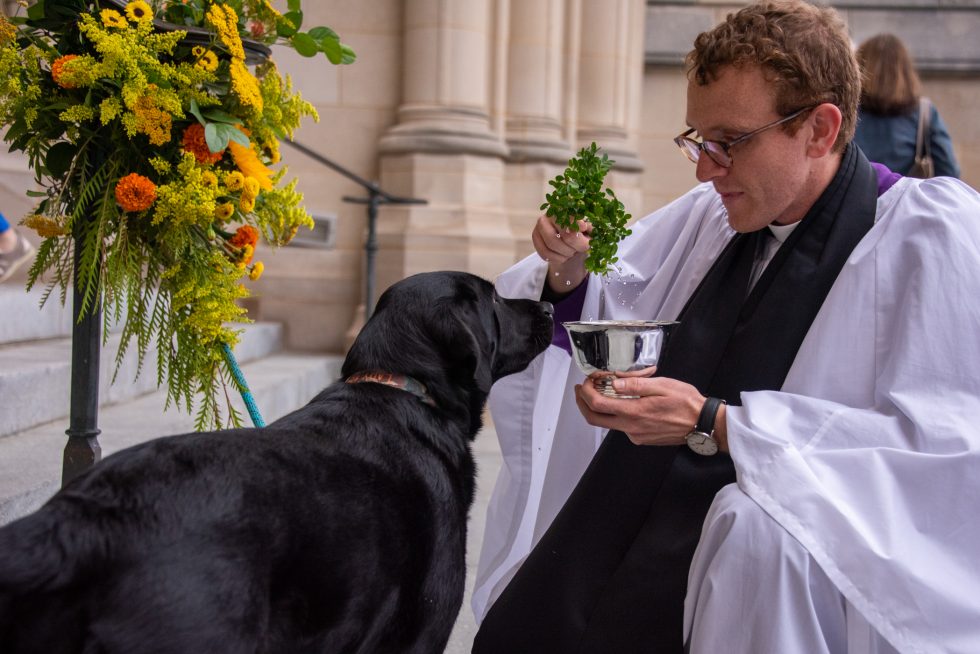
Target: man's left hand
[663, 414]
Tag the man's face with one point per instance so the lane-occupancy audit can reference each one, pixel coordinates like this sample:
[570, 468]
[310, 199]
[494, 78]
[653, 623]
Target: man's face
[771, 177]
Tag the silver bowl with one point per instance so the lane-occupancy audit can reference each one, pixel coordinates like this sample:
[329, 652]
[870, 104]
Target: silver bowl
[616, 346]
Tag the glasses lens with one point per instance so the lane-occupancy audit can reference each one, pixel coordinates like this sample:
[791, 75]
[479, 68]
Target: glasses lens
[690, 148]
[717, 154]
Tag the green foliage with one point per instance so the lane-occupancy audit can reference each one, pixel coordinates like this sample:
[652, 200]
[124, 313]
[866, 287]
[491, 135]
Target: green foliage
[578, 195]
[148, 220]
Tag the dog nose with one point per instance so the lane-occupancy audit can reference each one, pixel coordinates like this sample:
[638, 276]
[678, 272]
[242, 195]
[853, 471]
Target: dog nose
[548, 308]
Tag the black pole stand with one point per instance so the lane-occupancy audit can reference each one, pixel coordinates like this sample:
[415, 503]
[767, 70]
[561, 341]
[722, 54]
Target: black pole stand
[83, 450]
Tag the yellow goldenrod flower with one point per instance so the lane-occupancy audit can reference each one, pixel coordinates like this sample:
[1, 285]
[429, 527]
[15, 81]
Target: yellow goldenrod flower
[151, 120]
[244, 85]
[224, 211]
[7, 30]
[234, 181]
[44, 226]
[138, 11]
[112, 18]
[257, 270]
[225, 21]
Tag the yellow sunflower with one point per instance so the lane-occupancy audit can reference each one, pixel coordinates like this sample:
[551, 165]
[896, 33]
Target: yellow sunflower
[112, 18]
[137, 11]
[208, 61]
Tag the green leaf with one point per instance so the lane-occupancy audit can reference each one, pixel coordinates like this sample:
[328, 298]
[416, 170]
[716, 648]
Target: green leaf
[294, 5]
[37, 194]
[237, 135]
[331, 48]
[59, 158]
[218, 116]
[322, 32]
[284, 27]
[216, 141]
[196, 111]
[304, 44]
[36, 10]
[348, 56]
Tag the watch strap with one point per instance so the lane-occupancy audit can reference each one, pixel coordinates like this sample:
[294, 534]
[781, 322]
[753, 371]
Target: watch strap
[706, 420]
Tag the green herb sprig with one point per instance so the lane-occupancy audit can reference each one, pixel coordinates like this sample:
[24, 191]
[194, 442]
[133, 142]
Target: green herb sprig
[578, 195]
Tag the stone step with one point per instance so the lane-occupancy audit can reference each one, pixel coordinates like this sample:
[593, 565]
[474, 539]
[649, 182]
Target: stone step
[31, 460]
[35, 375]
[24, 319]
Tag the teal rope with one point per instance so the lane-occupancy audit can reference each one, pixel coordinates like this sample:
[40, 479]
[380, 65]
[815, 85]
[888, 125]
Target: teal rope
[236, 372]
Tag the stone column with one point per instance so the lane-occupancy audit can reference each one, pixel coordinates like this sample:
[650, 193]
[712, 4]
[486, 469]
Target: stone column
[541, 69]
[611, 78]
[535, 82]
[444, 147]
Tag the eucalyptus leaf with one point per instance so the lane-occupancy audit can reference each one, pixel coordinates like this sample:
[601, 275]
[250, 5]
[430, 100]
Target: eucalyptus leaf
[196, 111]
[237, 135]
[216, 142]
[218, 116]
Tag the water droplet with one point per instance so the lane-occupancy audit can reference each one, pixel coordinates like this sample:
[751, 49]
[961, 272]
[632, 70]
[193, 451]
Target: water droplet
[557, 274]
[568, 282]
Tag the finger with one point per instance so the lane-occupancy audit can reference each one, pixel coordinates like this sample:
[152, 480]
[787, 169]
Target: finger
[550, 248]
[645, 372]
[553, 239]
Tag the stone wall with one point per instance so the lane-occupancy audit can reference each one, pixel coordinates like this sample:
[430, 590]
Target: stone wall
[473, 105]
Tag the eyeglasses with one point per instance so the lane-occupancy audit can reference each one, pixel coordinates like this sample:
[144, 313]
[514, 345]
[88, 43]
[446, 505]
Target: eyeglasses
[720, 151]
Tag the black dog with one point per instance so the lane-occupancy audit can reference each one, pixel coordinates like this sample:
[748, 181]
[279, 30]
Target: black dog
[339, 528]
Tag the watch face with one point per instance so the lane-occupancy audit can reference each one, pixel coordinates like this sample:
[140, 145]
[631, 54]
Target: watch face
[702, 443]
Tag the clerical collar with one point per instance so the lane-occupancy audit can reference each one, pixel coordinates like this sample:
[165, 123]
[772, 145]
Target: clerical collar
[782, 232]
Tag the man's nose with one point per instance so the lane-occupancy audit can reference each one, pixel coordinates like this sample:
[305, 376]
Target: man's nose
[707, 169]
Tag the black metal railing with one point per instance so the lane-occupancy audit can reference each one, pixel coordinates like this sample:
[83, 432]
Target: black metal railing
[376, 197]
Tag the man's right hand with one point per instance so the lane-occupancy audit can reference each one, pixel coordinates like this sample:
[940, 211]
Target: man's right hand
[564, 250]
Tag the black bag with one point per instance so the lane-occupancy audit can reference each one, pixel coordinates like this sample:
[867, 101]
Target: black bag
[923, 166]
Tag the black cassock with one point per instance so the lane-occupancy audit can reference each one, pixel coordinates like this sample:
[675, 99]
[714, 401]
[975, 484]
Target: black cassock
[610, 573]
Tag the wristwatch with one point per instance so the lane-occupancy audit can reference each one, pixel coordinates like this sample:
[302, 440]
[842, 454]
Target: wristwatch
[701, 439]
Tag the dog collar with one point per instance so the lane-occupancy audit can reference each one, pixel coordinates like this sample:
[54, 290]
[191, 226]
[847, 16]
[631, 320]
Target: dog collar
[402, 382]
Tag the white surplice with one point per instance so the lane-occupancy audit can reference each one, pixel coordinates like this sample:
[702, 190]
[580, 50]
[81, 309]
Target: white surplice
[869, 456]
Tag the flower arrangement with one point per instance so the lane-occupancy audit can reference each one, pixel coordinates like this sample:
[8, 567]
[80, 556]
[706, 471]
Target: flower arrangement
[152, 129]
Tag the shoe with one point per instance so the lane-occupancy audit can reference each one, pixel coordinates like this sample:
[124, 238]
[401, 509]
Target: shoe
[11, 261]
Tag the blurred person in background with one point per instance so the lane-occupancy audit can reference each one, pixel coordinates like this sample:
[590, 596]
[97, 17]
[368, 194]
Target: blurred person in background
[888, 117]
[14, 249]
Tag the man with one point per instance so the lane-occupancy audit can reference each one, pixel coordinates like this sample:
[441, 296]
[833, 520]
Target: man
[832, 305]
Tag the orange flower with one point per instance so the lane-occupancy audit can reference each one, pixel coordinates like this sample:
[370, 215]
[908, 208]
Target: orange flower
[135, 192]
[57, 68]
[245, 235]
[195, 143]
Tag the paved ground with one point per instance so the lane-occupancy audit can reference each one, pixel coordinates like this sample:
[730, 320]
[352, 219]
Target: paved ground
[488, 464]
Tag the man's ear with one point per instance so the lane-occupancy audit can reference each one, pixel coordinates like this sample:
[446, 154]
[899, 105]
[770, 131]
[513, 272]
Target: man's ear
[825, 120]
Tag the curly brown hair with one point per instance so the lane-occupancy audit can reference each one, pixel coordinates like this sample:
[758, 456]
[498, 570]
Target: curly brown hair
[804, 49]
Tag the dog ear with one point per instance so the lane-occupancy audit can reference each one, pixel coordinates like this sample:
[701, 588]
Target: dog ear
[474, 356]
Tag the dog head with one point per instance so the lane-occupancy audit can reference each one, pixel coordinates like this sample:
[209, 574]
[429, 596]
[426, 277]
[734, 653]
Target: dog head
[452, 332]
